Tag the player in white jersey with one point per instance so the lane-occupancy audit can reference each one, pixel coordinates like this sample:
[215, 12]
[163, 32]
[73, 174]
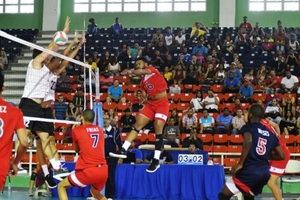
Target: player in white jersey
[35, 91]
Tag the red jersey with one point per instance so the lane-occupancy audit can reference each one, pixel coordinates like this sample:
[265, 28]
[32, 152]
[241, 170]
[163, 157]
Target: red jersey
[153, 83]
[90, 140]
[11, 119]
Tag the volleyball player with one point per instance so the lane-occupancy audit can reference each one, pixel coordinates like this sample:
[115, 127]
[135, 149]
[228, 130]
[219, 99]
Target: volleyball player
[35, 90]
[155, 109]
[252, 172]
[11, 120]
[91, 168]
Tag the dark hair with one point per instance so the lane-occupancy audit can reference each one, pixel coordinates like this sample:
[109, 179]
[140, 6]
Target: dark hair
[35, 53]
[142, 59]
[1, 81]
[92, 20]
[257, 111]
[88, 115]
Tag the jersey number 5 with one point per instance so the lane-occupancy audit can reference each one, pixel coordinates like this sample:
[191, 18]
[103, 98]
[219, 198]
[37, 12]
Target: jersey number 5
[261, 146]
[95, 138]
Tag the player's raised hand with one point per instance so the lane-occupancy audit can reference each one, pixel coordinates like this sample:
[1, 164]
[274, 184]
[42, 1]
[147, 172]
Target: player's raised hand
[67, 25]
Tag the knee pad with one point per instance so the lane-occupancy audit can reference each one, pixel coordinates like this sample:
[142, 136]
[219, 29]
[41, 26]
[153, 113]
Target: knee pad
[159, 143]
[33, 176]
[223, 196]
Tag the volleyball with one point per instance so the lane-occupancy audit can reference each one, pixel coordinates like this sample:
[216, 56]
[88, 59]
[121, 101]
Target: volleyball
[60, 38]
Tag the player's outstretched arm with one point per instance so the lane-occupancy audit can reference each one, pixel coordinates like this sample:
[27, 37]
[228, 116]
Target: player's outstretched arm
[38, 61]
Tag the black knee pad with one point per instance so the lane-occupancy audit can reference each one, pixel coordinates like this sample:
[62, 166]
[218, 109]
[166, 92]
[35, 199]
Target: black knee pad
[33, 176]
[223, 196]
[159, 143]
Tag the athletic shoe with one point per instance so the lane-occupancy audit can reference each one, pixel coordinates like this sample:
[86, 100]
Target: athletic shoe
[119, 154]
[153, 166]
[55, 164]
[30, 193]
[50, 182]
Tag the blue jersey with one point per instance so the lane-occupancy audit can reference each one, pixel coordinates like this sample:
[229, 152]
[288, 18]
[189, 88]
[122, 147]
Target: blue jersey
[264, 140]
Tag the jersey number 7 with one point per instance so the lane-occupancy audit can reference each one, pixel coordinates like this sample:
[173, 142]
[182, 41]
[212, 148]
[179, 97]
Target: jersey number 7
[95, 137]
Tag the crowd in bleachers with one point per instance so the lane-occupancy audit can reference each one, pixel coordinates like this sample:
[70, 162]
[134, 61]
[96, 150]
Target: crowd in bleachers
[214, 74]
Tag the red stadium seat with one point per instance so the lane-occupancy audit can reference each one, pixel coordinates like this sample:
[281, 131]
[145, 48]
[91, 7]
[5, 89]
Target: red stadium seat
[217, 88]
[206, 138]
[122, 79]
[221, 138]
[133, 88]
[122, 106]
[188, 87]
[196, 88]
[107, 106]
[259, 97]
[173, 97]
[151, 137]
[123, 136]
[59, 136]
[207, 148]
[297, 140]
[142, 137]
[217, 160]
[103, 96]
[60, 146]
[230, 106]
[182, 106]
[186, 97]
[69, 146]
[289, 139]
[234, 148]
[184, 135]
[220, 148]
[230, 162]
[129, 96]
[236, 139]
[69, 157]
[291, 149]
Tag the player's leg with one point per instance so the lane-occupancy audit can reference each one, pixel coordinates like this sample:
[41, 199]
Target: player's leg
[159, 144]
[44, 165]
[142, 119]
[161, 115]
[272, 184]
[53, 147]
[62, 189]
[225, 194]
[96, 194]
[248, 196]
[45, 140]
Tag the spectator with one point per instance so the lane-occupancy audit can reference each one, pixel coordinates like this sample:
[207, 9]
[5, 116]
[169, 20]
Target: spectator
[112, 143]
[231, 83]
[171, 133]
[135, 51]
[3, 59]
[127, 121]
[92, 27]
[115, 91]
[175, 116]
[224, 122]
[180, 38]
[189, 121]
[272, 82]
[134, 155]
[274, 111]
[78, 99]
[280, 39]
[114, 67]
[198, 30]
[179, 73]
[60, 108]
[211, 102]
[192, 149]
[193, 139]
[292, 62]
[246, 92]
[246, 25]
[196, 103]
[207, 123]
[290, 129]
[293, 43]
[238, 121]
[72, 112]
[200, 49]
[111, 114]
[157, 38]
[288, 104]
[117, 28]
[289, 83]
[175, 88]
[168, 74]
[169, 37]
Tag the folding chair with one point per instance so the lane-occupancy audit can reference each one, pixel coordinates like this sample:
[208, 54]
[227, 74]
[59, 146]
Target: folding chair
[292, 173]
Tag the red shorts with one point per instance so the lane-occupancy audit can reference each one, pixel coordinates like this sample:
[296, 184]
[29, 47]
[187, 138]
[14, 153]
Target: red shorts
[156, 109]
[277, 167]
[95, 176]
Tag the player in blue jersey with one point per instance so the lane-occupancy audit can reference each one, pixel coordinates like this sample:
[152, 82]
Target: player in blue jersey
[252, 171]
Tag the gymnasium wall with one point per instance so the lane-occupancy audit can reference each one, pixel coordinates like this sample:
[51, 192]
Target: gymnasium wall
[268, 18]
[144, 19]
[25, 21]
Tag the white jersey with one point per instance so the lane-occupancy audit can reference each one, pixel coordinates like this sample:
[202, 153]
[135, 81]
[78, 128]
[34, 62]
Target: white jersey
[36, 83]
[52, 80]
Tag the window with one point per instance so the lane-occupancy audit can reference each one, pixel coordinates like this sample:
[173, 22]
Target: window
[16, 6]
[138, 5]
[274, 5]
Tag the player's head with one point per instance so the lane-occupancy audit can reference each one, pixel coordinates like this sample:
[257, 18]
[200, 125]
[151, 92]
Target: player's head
[256, 112]
[1, 81]
[141, 63]
[88, 116]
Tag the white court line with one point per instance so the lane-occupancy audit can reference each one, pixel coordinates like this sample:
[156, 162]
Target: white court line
[29, 44]
[50, 120]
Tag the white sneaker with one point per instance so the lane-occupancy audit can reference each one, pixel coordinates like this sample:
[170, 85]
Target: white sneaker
[55, 164]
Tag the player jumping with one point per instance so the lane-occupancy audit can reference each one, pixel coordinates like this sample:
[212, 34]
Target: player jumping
[156, 108]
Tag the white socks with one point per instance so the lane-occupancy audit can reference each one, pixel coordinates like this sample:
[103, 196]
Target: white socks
[157, 154]
[45, 170]
[55, 164]
[126, 145]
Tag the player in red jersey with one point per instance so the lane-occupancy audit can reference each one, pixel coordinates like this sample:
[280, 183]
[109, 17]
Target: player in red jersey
[156, 108]
[277, 166]
[11, 120]
[91, 168]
